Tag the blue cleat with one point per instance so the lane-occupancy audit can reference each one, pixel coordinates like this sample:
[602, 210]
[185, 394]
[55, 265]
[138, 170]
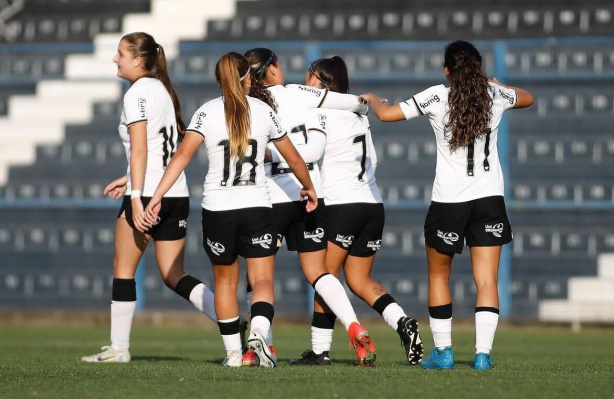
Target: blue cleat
[442, 359]
[483, 361]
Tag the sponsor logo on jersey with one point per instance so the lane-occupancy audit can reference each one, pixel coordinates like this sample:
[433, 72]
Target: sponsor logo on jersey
[505, 96]
[374, 245]
[265, 240]
[316, 235]
[448, 238]
[199, 120]
[430, 100]
[311, 90]
[275, 122]
[183, 223]
[142, 103]
[322, 119]
[345, 241]
[495, 229]
[216, 247]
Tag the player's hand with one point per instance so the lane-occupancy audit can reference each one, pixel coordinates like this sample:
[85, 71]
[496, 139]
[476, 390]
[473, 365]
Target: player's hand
[368, 98]
[152, 210]
[311, 198]
[138, 216]
[117, 188]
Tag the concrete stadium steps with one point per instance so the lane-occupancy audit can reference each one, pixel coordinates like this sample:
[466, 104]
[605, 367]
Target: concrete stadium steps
[590, 299]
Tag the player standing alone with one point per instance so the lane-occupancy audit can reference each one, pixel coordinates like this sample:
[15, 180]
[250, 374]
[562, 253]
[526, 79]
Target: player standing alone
[467, 203]
[150, 128]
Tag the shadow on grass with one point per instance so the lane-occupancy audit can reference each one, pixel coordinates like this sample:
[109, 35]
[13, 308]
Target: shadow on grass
[154, 359]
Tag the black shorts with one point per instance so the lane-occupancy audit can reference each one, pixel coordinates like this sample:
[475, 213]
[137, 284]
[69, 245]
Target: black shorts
[172, 220]
[247, 232]
[357, 227]
[304, 231]
[480, 223]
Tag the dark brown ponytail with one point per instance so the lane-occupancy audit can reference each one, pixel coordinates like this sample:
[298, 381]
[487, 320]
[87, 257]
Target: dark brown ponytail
[469, 101]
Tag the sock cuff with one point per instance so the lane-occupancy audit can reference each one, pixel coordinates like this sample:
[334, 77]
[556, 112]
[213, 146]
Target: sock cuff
[323, 320]
[124, 290]
[318, 279]
[486, 309]
[264, 309]
[185, 286]
[441, 312]
[382, 302]
[230, 326]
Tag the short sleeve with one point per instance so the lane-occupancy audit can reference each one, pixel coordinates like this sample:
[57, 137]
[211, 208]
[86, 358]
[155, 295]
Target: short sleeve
[276, 131]
[504, 97]
[429, 100]
[197, 124]
[310, 95]
[316, 121]
[135, 107]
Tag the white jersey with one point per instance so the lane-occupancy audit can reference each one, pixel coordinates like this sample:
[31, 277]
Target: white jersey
[293, 104]
[230, 184]
[470, 172]
[148, 101]
[349, 162]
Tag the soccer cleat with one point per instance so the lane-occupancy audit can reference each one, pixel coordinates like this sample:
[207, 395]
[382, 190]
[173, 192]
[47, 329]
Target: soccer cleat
[483, 361]
[309, 358]
[108, 355]
[264, 356]
[362, 343]
[243, 326]
[410, 338]
[235, 359]
[442, 359]
[250, 359]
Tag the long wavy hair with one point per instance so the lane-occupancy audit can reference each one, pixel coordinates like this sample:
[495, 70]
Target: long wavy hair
[332, 73]
[143, 45]
[469, 101]
[259, 61]
[230, 73]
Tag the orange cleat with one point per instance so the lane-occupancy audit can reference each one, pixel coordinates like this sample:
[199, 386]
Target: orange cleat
[363, 344]
[251, 360]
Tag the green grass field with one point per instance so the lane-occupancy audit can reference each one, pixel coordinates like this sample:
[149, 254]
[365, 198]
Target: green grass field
[534, 362]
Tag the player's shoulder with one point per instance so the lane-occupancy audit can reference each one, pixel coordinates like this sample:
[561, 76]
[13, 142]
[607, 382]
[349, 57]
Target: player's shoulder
[431, 97]
[499, 92]
[302, 89]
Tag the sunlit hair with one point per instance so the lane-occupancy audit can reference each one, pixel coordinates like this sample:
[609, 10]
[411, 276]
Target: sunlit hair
[259, 61]
[229, 71]
[469, 101]
[332, 72]
[143, 45]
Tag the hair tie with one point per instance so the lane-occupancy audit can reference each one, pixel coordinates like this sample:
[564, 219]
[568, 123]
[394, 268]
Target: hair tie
[244, 76]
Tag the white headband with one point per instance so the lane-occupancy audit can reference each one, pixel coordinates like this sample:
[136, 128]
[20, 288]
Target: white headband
[244, 76]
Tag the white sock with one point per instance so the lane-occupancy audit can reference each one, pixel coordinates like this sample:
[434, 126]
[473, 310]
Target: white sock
[122, 313]
[485, 328]
[442, 332]
[269, 336]
[332, 292]
[202, 298]
[261, 324]
[392, 314]
[321, 339]
[232, 342]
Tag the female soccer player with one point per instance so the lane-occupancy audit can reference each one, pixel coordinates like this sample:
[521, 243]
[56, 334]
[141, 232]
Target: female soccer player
[149, 128]
[467, 203]
[236, 203]
[354, 208]
[304, 232]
